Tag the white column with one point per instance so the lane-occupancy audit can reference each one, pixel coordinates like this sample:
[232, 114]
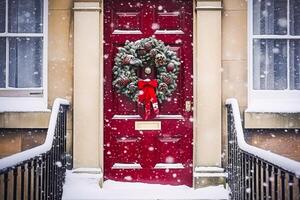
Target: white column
[208, 83]
[87, 113]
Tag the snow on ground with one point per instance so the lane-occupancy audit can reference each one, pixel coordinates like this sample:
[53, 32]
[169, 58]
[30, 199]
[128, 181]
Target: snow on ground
[83, 186]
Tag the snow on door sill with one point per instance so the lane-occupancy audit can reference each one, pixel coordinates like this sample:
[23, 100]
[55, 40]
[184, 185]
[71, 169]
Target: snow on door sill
[86, 186]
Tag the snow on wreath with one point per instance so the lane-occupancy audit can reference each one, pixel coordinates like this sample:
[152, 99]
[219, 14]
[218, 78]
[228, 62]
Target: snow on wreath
[144, 53]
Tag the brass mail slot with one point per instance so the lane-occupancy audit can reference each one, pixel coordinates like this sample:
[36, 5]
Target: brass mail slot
[148, 125]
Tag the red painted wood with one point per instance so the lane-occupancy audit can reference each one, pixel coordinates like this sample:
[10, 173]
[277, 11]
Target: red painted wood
[171, 22]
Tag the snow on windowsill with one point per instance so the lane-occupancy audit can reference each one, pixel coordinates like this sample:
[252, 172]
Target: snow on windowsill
[31, 153]
[23, 104]
[28, 110]
[270, 108]
[280, 161]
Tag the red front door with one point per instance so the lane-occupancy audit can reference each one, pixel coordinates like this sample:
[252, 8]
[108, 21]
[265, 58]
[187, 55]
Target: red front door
[163, 155]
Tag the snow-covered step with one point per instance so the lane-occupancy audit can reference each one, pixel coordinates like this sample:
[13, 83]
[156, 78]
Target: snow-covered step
[88, 170]
[86, 186]
[207, 176]
[201, 174]
[209, 169]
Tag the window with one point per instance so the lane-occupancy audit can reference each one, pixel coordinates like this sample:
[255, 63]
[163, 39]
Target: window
[23, 55]
[274, 55]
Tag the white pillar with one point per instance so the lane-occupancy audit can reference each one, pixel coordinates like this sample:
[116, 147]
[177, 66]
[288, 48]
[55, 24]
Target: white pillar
[87, 117]
[208, 83]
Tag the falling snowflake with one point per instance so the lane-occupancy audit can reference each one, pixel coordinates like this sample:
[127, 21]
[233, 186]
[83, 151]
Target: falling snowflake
[178, 41]
[155, 26]
[128, 178]
[276, 50]
[264, 13]
[169, 159]
[58, 164]
[151, 148]
[282, 22]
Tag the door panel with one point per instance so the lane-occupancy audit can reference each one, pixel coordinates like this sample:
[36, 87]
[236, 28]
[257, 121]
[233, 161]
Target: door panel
[153, 156]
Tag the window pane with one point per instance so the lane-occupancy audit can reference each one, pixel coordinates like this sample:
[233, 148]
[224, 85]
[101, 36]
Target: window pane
[295, 17]
[270, 17]
[25, 62]
[2, 16]
[295, 64]
[270, 64]
[25, 16]
[2, 62]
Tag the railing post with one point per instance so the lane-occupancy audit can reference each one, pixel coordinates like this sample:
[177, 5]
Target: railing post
[264, 185]
[259, 180]
[5, 185]
[40, 175]
[243, 180]
[298, 187]
[282, 182]
[276, 182]
[22, 181]
[270, 179]
[290, 186]
[255, 178]
[35, 189]
[239, 174]
[29, 167]
[15, 182]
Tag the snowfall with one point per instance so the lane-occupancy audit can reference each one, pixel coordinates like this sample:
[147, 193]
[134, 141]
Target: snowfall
[85, 186]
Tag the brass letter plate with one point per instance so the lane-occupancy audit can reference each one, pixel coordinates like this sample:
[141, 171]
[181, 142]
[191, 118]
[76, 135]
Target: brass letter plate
[148, 125]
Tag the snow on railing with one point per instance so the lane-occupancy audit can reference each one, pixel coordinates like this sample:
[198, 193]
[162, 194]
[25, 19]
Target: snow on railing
[282, 162]
[36, 151]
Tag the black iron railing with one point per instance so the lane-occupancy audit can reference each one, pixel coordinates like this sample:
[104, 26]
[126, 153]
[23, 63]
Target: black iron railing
[38, 173]
[254, 173]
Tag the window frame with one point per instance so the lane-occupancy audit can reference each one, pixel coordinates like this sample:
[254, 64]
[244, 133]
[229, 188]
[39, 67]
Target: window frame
[278, 101]
[26, 99]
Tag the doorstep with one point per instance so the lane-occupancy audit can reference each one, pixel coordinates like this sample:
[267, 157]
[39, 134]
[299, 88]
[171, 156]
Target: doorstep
[209, 176]
[80, 184]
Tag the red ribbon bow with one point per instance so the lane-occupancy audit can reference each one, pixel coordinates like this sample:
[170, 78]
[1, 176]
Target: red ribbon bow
[147, 96]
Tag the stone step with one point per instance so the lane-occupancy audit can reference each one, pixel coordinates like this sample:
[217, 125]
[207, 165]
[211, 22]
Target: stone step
[209, 176]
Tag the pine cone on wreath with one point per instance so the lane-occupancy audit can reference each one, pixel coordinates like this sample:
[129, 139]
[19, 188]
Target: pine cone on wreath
[126, 60]
[162, 87]
[153, 53]
[148, 46]
[166, 79]
[123, 82]
[141, 52]
[160, 59]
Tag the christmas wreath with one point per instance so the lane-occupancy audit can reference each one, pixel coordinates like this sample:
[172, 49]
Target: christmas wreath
[146, 54]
